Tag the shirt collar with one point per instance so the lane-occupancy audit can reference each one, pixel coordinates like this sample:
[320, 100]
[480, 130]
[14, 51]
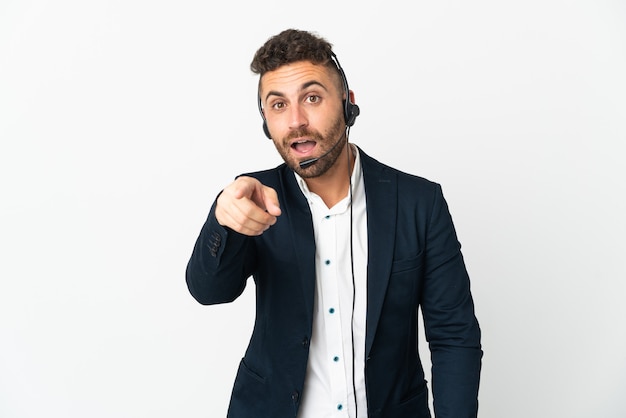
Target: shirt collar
[356, 178]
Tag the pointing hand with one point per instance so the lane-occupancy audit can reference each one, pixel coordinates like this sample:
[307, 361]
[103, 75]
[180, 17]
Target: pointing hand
[247, 206]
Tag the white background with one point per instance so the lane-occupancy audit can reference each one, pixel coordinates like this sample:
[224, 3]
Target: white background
[121, 120]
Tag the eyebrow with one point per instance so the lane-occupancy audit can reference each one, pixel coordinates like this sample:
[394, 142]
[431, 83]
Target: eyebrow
[303, 87]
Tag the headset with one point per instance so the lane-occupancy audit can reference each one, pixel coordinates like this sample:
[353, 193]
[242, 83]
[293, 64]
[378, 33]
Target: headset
[350, 110]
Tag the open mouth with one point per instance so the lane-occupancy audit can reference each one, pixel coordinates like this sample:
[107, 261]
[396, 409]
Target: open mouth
[304, 146]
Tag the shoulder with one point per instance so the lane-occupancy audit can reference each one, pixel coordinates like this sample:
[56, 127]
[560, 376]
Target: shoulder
[379, 171]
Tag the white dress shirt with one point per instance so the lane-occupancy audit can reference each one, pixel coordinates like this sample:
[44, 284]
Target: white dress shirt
[329, 385]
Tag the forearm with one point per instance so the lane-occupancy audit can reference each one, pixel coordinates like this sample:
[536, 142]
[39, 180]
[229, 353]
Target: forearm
[455, 381]
[218, 268]
[454, 338]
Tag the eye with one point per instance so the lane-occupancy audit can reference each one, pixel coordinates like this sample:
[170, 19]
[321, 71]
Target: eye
[278, 105]
[313, 98]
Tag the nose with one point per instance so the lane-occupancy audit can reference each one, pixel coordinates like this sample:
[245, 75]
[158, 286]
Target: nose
[298, 117]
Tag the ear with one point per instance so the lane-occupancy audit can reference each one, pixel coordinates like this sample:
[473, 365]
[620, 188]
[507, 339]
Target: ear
[352, 97]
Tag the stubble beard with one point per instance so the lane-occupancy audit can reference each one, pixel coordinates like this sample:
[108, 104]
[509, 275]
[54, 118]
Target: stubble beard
[322, 165]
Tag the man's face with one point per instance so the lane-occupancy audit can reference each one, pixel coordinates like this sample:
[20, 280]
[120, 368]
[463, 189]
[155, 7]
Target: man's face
[302, 104]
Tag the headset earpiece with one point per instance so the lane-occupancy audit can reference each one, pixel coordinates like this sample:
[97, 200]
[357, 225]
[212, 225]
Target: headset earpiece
[351, 111]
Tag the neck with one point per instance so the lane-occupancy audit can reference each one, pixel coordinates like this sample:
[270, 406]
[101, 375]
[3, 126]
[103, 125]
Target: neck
[334, 185]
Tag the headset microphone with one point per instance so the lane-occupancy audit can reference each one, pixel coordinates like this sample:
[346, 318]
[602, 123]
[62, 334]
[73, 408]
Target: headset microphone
[311, 161]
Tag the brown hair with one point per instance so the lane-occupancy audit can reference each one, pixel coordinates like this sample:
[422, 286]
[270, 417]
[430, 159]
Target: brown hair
[291, 46]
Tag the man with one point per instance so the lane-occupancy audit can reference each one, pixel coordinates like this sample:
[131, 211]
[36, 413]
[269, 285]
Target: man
[343, 251]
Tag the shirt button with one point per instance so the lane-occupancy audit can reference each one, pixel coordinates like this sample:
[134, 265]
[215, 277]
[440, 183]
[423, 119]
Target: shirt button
[336, 359]
[331, 310]
[339, 407]
[327, 217]
[295, 396]
[327, 262]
